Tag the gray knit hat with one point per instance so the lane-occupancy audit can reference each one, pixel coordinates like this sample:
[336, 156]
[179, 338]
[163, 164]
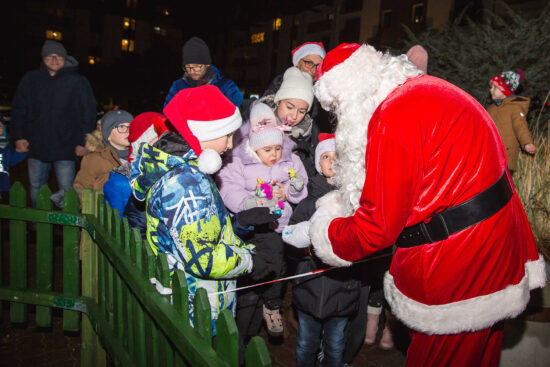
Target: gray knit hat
[112, 119]
[53, 47]
[195, 51]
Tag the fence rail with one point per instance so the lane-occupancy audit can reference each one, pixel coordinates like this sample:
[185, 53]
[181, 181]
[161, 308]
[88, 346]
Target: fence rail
[110, 286]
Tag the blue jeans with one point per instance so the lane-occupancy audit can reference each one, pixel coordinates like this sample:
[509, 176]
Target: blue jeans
[39, 172]
[309, 337]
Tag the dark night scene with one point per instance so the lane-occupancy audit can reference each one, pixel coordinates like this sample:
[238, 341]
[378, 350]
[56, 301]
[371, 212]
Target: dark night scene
[281, 183]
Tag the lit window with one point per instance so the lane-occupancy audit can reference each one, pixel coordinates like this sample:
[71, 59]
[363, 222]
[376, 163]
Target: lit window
[277, 22]
[418, 13]
[159, 30]
[54, 35]
[131, 46]
[257, 37]
[126, 23]
[91, 60]
[124, 44]
[166, 12]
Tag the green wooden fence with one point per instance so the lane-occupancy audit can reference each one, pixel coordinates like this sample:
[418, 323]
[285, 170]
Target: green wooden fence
[123, 314]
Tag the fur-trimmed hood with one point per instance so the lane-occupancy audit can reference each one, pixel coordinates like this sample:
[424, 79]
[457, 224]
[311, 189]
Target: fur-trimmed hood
[94, 141]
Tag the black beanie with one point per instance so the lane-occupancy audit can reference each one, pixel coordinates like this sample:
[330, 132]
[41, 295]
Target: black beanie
[195, 51]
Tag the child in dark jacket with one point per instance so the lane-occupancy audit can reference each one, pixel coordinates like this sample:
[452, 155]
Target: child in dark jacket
[8, 157]
[324, 302]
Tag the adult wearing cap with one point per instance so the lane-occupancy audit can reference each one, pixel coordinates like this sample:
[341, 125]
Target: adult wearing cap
[420, 165]
[186, 217]
[52, 111]
[198, 70]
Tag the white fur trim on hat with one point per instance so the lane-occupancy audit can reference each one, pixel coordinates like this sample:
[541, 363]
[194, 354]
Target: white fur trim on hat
[146, 137]
[327, 145]
[296, 85]
[210, 161]
[462, 316]
[213, 129]
[307, 49]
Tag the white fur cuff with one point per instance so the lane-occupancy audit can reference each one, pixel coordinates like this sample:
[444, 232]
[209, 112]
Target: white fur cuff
[318, 233]
[537, 272]
[333, 203]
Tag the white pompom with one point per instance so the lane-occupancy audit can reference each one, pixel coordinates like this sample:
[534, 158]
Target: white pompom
[210, 161]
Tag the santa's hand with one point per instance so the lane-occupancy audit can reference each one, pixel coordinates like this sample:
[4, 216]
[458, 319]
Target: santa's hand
[297, 235]
[320, 212]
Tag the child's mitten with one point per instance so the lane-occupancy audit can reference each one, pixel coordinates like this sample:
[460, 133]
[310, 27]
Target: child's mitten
[297, 235]
[296, 184]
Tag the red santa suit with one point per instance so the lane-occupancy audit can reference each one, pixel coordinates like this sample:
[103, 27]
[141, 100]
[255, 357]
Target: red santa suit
[410, 146]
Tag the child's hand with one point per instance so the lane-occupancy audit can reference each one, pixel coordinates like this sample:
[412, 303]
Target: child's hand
[296, 184]
[297, 235]
[22, 145]
[279, 191]
[530, 148]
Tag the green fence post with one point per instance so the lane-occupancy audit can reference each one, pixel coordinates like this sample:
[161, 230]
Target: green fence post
[117, 282]
[162, 273]
[91, 352]
[140, 350]
[256, 353]
[202, 316]
[102, 279]
[151, 339]
[44, 257]
[18, 252]
[109, 283]
[71, 269]
[127, 319]
[180, 301]
[227, 338]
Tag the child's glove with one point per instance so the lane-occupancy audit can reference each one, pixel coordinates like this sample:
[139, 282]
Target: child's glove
[296, 184]
[256, 216]
[297, 235]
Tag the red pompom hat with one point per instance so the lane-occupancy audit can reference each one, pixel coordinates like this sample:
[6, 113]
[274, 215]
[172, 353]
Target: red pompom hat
[203, 114]
[144, 128]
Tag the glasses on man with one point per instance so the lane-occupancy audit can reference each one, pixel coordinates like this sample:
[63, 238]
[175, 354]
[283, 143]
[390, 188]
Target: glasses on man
[51, 57]
[310, 64]
[122, 128]
[193, 68]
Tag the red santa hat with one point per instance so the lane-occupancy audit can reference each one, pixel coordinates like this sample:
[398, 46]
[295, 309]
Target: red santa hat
[308, 48]
[144, 128]
[326, 144]
[336, 56]
[202, 114]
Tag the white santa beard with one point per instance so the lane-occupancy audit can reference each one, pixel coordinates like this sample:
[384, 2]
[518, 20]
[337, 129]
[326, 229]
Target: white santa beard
[357, 87]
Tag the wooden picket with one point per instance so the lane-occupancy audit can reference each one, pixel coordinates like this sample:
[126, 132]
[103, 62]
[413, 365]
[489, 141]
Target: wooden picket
[123, 312]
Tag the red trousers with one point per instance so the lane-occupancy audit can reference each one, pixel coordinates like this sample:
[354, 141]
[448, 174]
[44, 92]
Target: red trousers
[480, 348]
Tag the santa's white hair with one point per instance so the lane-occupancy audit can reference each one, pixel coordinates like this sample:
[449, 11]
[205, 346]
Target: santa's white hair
[353, 90]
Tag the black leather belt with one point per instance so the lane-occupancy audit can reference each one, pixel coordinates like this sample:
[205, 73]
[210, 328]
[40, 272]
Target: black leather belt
[460, 217]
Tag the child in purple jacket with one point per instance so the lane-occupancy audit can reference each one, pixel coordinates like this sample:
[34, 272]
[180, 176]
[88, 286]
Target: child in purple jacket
[265, 155]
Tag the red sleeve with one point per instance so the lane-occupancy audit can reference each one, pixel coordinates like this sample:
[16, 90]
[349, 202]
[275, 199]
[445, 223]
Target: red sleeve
[393, 171]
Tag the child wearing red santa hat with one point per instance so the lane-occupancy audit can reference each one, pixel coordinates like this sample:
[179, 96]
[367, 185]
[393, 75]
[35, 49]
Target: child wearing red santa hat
[186, 217]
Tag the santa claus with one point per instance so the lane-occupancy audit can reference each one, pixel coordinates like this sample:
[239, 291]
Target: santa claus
[420, 164]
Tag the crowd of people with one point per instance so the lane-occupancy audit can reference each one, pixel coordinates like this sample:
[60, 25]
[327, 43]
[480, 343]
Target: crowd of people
[346, 154]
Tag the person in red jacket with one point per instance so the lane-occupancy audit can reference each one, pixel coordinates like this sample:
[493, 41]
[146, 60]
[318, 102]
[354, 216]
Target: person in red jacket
[420, 164]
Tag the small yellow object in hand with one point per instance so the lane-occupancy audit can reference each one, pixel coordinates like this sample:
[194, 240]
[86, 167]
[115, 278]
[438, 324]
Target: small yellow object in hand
[291, 173]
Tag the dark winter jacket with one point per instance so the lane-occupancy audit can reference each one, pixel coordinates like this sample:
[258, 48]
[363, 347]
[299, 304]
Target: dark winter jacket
[53, 113]
[226, 86]
[334, 293]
